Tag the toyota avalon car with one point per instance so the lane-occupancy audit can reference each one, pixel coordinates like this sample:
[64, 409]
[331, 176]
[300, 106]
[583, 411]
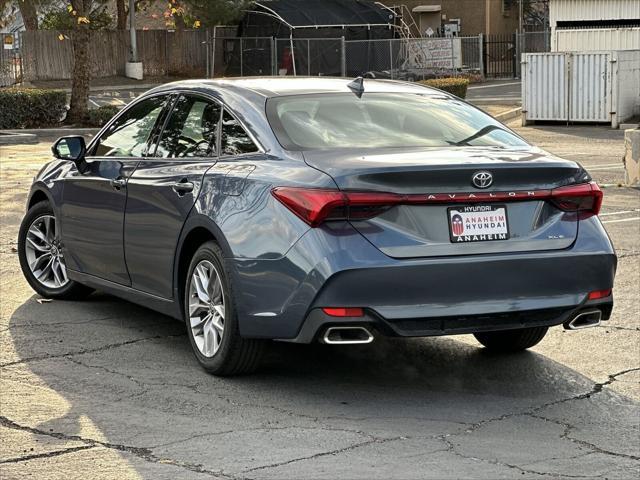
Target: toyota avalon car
[317, 209]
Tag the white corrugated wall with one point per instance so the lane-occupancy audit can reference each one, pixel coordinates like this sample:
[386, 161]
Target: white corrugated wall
[544, 86]
[581, 86]
[596, 39]
[590, 96]
[563, 10]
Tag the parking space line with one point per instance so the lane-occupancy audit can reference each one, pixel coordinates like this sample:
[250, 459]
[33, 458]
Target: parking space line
[622, 220]
[94, 102]
[596, 169]
[621, 212]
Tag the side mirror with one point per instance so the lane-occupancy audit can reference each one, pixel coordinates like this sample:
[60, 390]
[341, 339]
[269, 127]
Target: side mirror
[70, 148]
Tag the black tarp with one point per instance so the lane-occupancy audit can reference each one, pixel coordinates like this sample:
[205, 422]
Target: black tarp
[314, 26]
[304, 13]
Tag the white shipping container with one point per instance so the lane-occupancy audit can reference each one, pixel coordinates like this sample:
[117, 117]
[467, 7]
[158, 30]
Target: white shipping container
[595, 39]
[581, 87]
[578, 10]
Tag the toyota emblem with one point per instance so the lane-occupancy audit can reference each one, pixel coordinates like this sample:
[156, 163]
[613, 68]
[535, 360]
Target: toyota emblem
[482, 179]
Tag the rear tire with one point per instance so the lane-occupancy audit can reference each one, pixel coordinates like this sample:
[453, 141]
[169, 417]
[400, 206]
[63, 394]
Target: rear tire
[41, 254]
[511, 340]
[211, 317]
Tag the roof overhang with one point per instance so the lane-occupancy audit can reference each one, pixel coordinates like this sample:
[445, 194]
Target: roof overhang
[427, 9]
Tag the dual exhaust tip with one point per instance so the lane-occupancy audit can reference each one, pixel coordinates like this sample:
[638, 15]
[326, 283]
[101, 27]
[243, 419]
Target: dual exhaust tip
[355, 335]
[586, 319]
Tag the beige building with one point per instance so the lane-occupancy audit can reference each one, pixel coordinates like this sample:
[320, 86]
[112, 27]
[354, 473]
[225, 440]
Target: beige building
[468, 17]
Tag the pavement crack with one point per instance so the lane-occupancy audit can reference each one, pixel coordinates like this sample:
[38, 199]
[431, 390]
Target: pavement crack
[139, 452]
[494, 461]
[55, 453]
[90, 350]
[324, 454]
[594, 448]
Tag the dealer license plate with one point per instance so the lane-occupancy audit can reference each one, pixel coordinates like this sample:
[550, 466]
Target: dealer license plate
[478, 223]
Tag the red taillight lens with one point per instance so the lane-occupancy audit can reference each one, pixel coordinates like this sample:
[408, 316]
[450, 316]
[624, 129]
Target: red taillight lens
[595, 295]
[311, 205]
[344, 312]
[314, 206]
[585, 197]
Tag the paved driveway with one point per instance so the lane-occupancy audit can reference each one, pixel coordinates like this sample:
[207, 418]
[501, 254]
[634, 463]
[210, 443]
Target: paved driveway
[105, 389]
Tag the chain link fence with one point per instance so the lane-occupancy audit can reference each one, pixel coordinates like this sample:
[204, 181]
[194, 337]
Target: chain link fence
[405, 59]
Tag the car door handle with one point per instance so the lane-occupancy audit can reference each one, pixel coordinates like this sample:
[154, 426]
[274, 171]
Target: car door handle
[118, 183]
[182, 187]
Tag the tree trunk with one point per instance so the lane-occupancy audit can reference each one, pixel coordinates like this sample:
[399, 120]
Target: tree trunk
[121, 14]
[81, 77]
[29, 14]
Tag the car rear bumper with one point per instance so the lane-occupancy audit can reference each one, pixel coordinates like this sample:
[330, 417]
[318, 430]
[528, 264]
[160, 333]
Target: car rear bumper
[335, 267]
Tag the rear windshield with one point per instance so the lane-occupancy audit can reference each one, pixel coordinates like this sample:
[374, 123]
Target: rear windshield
[342, 120]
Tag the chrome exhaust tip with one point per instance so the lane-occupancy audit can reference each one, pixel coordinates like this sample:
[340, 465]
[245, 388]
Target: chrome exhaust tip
[347, 336]
[588, 319]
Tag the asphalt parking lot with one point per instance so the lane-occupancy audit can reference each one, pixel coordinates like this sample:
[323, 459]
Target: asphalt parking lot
[105, 389]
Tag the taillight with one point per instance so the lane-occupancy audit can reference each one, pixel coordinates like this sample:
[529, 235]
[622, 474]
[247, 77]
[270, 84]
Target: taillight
[584, 197]
[314, 206]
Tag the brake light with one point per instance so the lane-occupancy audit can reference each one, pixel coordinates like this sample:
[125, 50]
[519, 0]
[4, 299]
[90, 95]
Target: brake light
[344, 312]
[314, 206]
[595, 295]
[584, 197]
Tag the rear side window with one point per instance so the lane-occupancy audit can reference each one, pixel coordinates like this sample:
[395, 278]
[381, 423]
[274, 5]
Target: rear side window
[128, 135]
[192, 129]
[234, 139]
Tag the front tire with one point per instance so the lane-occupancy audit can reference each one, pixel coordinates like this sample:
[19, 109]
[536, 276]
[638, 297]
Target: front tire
[41, 254]
[211, 318]
[511, 340]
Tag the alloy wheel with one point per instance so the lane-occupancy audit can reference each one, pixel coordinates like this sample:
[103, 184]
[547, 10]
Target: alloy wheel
[44, 253]
[206, 308]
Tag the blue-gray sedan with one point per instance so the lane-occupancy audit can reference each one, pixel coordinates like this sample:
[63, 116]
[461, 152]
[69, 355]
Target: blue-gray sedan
[311, 209]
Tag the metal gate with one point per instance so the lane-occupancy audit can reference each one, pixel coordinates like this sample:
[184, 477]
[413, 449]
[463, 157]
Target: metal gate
[500, 56]
[568, 86]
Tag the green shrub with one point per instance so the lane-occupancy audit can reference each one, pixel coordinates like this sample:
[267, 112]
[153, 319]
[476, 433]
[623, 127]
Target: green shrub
[455, 85]
[98, 117]
[31, 107]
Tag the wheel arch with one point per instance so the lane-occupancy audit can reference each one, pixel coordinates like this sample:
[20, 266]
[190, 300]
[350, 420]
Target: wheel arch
[197, 230]
[38, 195]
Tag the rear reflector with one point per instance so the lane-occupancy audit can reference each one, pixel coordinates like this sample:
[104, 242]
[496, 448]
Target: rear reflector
[344, 312]
[314, 205]
[595, 295]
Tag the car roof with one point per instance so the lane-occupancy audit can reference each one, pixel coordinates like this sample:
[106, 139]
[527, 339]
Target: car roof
[268, 87]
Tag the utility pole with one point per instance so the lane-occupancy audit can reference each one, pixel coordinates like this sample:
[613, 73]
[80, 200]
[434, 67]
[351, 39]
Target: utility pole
[520, 16]
[133, 68]
[132, 30]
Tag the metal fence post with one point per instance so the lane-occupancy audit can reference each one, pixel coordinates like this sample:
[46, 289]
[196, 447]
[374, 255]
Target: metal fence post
[241, 59]
[481, 54]
[391, 56]
[208, 51]
[274, 49]
[514, 61]
[343, 62]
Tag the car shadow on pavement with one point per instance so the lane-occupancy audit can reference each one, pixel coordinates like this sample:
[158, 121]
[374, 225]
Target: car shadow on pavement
[111, 371]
